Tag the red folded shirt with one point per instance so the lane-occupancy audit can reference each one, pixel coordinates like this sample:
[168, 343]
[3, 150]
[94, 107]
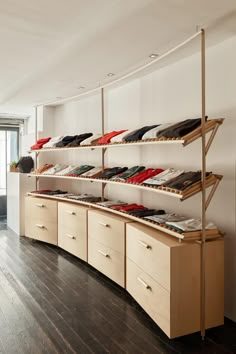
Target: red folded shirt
[140, 177]
[107, 137]
[127, 207]
[40, 143]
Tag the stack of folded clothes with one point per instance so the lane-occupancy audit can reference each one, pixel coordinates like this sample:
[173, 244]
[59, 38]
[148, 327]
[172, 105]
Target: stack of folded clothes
[128, 173]
[185, 180]
[110, 172]
[54, 169]
[52, 142]
[138, 134]
[92, 139]
[40, 143]
[42, 169]
[93, 172]
[79, 170]
[162, 177]
[142, 176]
[66, 170]
[65, 141]
[79, 139]
[107, 137]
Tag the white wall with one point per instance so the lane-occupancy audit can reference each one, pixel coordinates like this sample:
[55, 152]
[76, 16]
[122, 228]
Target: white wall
[172, 93]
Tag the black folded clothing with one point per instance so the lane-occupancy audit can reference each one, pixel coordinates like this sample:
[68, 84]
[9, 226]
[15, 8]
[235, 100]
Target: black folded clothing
[180, 129]
[79, 139]
[112, 172]
[185, 180]
[147, 212]
[58, 191]
[138, 134]
[66, 140]
[92, 199]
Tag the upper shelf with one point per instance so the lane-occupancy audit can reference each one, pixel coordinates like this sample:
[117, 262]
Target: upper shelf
[185, 236]
[195, 188]
[210, 126]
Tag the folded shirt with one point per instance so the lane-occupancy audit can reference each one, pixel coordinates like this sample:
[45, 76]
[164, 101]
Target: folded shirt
[79, 138]
[93, 172]
[185, 180]
[142, 176]
[40, 143]
[180, 129]
[152, 134]
[128, 207]
[111, 172]
[92, 140]
[52, 142]
[80, 170]
[162, 219]
[107, 137]
[79, 196]
[128, 173]
[189, 225]
[66, 140]
[66, 170]
[110, 203]
[54, 169]
[148, 212]
[138, 134]
[119, 138]
[42, 169]
[162, 177]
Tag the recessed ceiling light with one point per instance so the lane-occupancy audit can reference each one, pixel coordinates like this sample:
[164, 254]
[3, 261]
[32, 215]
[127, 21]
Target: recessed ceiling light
[110, 74]
[153, 56]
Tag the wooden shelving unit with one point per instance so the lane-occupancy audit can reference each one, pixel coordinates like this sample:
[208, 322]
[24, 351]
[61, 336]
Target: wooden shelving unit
[207, 129]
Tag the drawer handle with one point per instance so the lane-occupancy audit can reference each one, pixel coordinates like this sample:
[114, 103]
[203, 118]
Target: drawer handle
[104, 224]
[144, 244]
[144, 283]
[40, 226]
[103, 254]
[72, 237]
[40, 205]
[70, 212]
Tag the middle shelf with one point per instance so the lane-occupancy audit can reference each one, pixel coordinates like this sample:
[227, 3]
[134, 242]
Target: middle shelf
[211, 180]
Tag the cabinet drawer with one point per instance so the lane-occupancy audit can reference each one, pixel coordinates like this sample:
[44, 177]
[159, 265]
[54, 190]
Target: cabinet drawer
[41, 209]
[73, 218]
[73, 242]
[46, 231]
[107, 229]
[149, 253]
[107, 261]
[149, 294]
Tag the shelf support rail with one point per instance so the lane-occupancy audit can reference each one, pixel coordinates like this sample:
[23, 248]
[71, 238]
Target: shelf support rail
[103, 132]
[211, 138]
[212, 192]
[203, 133]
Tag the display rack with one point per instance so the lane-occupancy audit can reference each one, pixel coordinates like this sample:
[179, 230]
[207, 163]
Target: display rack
[210, 126]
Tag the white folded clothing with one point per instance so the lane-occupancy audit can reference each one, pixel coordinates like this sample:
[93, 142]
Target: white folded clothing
[190, 225]
[66, 170]
[152, 134]
[110, 203]
[54, 169]
[79, 196]
[92, 172]
[163, 177]
[119, 138]
[164, 218]
[52, 142]
[91, 139]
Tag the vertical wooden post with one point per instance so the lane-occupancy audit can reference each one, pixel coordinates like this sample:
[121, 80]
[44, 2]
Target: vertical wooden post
[36, 138]
[103, 132]
[203, 243]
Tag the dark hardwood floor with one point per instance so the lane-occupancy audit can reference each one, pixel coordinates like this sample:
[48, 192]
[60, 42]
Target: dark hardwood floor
[50, 302]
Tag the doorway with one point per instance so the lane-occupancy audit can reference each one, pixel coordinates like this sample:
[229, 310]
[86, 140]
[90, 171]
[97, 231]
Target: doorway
[9, 151]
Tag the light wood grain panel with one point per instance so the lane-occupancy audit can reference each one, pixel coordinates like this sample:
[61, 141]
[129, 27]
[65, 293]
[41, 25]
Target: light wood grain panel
[150, 295]
[107, 229]
[107, 261]
[41, 209]
[42, 231]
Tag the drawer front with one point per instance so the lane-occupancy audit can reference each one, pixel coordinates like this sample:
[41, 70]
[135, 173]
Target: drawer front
[46, 231]
[154, 299]
[107, 261]
[73, 218]
[151, 255]
[41, 209]
[108, 230]
[74, 242]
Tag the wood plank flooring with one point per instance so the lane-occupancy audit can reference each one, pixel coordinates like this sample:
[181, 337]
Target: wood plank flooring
[51, 302]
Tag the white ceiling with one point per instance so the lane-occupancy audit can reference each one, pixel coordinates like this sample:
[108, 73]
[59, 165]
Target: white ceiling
[50, 48]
